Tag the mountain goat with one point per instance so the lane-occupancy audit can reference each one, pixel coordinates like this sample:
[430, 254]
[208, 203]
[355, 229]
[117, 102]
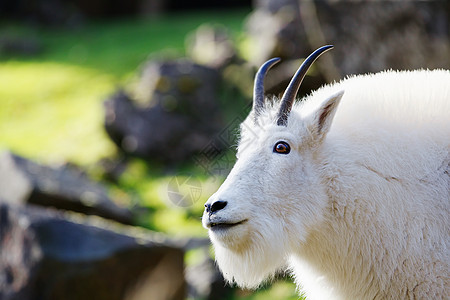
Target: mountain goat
[348, 189]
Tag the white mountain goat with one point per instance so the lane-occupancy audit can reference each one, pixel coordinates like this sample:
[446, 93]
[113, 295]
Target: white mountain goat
[349, 188]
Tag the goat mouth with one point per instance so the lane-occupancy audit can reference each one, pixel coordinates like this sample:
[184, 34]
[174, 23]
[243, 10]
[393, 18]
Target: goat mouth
[224, 226]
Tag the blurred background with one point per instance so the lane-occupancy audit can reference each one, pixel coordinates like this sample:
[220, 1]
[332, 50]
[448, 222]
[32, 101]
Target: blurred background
[118, 119]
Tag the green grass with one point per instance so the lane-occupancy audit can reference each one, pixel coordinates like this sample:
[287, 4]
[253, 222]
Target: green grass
[51, 104]
[118, 47]
[280, 289]
[52, 112]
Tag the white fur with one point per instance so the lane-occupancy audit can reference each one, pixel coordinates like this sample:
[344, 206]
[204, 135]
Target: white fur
[357, 210]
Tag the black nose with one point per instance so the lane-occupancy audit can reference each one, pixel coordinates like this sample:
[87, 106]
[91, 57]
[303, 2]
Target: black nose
[218, 205]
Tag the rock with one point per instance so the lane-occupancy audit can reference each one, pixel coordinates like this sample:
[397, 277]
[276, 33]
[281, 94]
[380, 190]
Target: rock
[368, 36]
[205, 280]
[275, 30]
[112, 169]
[379, 35]
[23, 181]
[211, 46]
[48, 255]
[175, 116]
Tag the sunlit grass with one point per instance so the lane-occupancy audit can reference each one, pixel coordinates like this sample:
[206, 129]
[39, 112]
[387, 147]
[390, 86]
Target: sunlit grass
[53, 112]
[162, 194]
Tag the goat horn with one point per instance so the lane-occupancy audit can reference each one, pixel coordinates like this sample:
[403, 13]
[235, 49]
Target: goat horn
[258, 89]
[291, 91]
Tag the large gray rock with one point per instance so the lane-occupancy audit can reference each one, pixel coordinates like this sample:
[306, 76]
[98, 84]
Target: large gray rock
[382, 35]
[47, 255]
[368, 36]
[175, 113]
[25, 182]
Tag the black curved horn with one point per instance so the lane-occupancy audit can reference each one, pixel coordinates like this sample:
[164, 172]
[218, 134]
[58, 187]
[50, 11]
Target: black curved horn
[258, 89]
[291, 91]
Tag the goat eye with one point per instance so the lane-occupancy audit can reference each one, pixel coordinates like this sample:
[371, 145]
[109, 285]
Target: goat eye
[282, 148]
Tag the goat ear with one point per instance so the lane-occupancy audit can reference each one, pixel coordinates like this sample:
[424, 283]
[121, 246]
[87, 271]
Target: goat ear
[323, 117]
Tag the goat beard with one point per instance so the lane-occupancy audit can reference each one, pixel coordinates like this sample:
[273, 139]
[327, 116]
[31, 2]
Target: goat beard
[256, 261]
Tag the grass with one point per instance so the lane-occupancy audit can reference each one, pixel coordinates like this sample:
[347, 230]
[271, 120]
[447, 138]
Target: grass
[278, 290]
[51, 110]
[118, 47]
[51, 104]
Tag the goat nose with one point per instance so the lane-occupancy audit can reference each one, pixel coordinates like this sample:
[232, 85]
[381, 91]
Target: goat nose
[218, 205]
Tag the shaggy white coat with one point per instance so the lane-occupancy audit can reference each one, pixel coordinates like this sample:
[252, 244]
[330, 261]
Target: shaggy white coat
[360, 207]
